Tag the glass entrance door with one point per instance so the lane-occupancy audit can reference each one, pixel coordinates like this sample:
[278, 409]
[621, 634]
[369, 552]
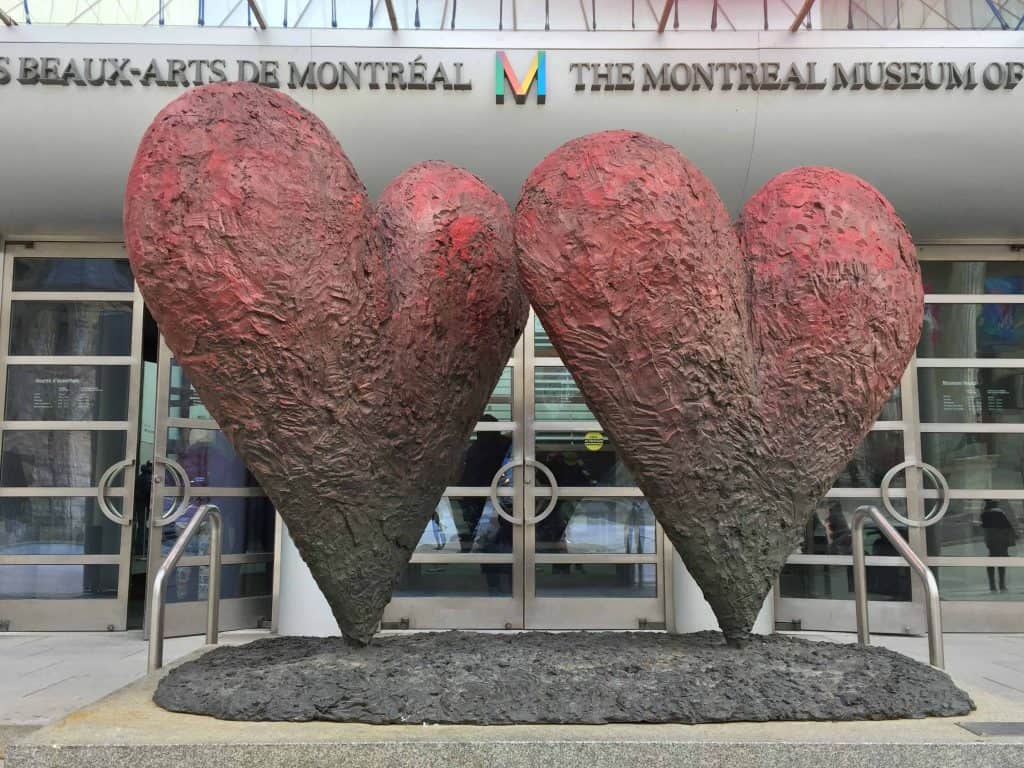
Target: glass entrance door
[70, 350]
[545, 529]
[190, 452]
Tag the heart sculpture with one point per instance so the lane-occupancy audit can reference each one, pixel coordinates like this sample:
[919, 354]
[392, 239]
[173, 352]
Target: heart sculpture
[346, 350]
[736, 369]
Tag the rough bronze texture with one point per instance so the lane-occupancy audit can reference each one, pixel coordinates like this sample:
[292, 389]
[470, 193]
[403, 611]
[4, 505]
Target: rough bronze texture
[576, 677]
[345, 349]
[736, 368]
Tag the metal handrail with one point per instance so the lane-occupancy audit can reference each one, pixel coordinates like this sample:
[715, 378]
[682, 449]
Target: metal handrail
[933, 606]
[159, 594]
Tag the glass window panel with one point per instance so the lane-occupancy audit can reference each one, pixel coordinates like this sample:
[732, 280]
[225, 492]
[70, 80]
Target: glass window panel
[499, 407]
[893, 408]
[183, 400]
[542, 346]
[597, 580]
[456, 580]
[971, 395]
[581, 459]
[468, 524]
[42, 274]
[976, 460]
[556, 396]
[67, 582]
[835, 582]
[191, 583]
[978, 528]
[57, 526]
[486, 453]
[992, 583]
[248, 525]
[207, 458]
[829, 530]
[58, 458]
[879, 452]
[972, 330]
[973, 277]
[594, 526]
[71, 328]
[67, 392]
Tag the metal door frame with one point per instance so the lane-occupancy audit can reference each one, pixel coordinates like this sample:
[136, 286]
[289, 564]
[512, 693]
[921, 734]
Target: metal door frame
[189, 618]
[904, 617]
[81, 614]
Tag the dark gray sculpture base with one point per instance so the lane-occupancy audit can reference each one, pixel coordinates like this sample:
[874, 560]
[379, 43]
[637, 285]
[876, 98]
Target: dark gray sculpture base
[573, 677]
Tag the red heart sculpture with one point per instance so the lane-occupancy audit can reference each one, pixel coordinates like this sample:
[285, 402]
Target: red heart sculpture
[347, 351]
[736, 369]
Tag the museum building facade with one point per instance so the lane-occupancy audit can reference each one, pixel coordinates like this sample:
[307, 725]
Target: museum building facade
[106, 451]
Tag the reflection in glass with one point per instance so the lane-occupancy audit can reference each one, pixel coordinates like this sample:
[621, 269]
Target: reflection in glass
[248, 525]
[557, 398]
[191, 583]
[893, 408]
[980, 583]
[976, 277]
[592, 526]
[58, 458]
[877, 454]
[455, 580]
[499, 406]
[46, 582]
[835, 582]
[542, 346]
[972, 330]
[971, 395]
[207, 458]
[596, 580]
[829, 530]
[978, 528]
[183, 400]
[486, 454]
[69, 525]
[71, 328]
[42, 274]
[67, 392]
[976, 460]
[581, 459]
[467, 524]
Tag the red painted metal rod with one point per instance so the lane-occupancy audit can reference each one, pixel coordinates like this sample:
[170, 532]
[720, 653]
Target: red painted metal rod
[801, 15]
[663, 21]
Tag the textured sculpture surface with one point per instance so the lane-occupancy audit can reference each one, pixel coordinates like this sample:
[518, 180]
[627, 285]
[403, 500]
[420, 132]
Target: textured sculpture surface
[735, 368]
[346, 349]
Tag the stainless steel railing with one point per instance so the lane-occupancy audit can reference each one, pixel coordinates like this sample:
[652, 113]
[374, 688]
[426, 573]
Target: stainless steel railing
[933, 606]
[159, 594]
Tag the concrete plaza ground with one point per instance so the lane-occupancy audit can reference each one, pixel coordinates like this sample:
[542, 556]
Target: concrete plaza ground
[46, 676]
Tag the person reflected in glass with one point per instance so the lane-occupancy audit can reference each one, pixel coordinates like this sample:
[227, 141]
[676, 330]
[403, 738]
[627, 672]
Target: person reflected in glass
[484, 458]
[1000, 535]
[840, 537]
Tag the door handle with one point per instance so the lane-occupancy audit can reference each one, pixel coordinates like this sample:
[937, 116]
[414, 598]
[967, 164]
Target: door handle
[121, 518]
[181, 504]
[938, 509]
[533, 519]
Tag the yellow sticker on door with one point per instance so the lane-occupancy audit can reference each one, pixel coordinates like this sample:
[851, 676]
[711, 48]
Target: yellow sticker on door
[594, 441]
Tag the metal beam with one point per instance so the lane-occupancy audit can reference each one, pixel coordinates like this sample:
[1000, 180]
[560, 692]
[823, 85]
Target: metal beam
[7, 20]
[801, 15]
[998, 14]
[663, 21]
[391, 15]
[254, 6]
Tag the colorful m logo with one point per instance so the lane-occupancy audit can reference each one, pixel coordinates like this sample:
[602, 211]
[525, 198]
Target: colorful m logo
[503, 71]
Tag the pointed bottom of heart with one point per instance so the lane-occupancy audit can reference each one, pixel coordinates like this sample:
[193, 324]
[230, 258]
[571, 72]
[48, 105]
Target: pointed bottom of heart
[569, 677]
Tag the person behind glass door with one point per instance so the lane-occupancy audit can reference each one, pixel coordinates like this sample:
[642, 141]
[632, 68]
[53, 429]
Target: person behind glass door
[999, 537]
[484, 458]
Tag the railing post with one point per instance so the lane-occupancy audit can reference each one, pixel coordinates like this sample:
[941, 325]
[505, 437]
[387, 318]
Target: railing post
[860, 578]
[159, 594]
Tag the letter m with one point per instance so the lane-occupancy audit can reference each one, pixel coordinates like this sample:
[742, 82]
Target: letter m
[503, 72]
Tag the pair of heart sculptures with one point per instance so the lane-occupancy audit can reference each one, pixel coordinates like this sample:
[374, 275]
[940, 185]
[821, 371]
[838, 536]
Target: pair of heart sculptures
[348, 349]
